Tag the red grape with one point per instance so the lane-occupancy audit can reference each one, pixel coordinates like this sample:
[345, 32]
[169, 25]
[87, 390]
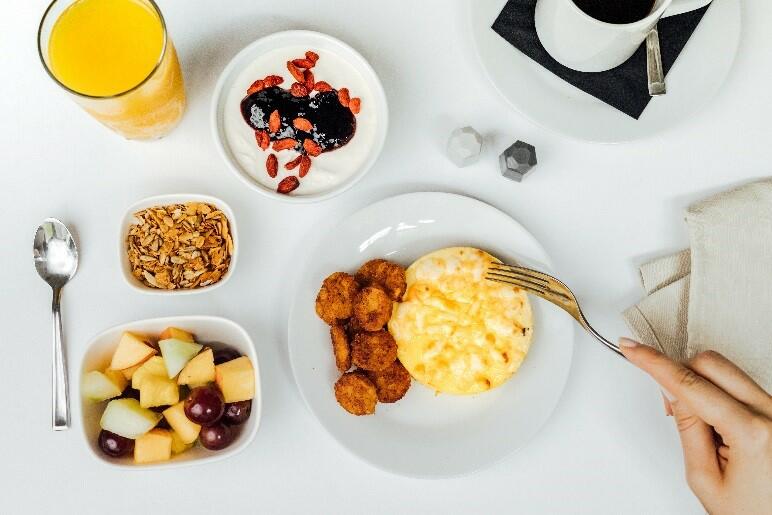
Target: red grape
[223, 354]
[237, 412]
[216, 437]
[204, 405]
[114, 445]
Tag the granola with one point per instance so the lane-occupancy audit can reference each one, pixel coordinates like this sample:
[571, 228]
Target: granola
[179, 246]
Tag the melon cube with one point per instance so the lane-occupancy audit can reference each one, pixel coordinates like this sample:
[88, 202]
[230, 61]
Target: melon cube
[117, 377]
[174, 333]
[155, 445]
[128, 373]
[155, 366]
[158, 391]
[178, 446]
[98, 386]
[199, 370]
[177, 353]
[187, 430]
[236, 379]
[125, 417]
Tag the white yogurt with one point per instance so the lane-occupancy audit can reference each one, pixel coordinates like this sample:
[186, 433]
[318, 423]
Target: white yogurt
[330, 168]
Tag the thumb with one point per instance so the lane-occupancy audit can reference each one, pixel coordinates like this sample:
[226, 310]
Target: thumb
[703, 473]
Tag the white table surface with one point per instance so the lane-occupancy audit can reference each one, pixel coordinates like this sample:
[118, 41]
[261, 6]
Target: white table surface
[598, 210]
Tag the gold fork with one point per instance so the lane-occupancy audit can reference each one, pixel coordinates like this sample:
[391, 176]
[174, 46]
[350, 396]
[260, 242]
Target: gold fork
[548, 288]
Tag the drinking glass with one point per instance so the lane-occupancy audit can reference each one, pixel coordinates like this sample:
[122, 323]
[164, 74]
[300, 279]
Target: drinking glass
[149, 109]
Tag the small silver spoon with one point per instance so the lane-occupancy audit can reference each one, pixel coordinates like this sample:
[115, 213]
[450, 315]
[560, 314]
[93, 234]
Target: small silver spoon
[654, 64]
[56, 260]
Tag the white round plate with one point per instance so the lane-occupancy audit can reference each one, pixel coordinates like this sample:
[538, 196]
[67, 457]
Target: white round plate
[428, 435]
[551, 102]
[341, 66]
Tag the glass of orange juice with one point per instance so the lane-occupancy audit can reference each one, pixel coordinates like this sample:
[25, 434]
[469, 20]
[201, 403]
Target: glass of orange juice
[116, 60]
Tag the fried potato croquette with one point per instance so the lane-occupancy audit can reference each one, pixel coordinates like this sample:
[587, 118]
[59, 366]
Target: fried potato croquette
[335, 301]
[385, 274]
[352, 328]
[341, 347]
[392, 383]
[373, 351]
[372, 308]
[356, 393]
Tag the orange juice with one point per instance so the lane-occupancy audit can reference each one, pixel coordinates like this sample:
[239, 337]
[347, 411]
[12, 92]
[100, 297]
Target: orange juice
[117, 59]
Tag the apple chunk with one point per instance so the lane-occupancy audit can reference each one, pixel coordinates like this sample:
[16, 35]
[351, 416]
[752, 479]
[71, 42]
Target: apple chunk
[174, 333]
[99, 386]
[156, 445]
[236, 379]
[199, 370]
[125, 417]
[185, 429]
[177, 353]
[131, 350]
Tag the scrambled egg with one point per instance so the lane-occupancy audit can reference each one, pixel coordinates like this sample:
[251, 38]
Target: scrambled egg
[457, 332]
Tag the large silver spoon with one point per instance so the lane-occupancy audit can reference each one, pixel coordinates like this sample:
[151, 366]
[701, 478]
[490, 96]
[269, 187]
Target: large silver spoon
[56, 260]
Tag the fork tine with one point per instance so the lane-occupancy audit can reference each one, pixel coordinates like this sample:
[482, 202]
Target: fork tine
[535, 288]
[520, 277]
[544, 286]
[530, 289]
[547, 281]
[517, 281]
[533, 275]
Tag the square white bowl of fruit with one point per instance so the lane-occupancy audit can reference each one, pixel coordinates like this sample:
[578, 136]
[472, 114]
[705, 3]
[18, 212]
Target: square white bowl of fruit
[170, 391]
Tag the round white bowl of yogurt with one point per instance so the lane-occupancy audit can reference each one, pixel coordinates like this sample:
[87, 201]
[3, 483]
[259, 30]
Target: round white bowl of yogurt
[332, 172]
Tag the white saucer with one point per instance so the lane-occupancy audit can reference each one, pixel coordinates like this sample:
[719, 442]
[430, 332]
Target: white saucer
[428, 435]
[549, 101]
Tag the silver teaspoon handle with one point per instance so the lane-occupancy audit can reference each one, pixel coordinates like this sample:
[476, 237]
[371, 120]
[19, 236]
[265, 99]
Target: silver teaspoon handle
[61, 409]
[654, 64]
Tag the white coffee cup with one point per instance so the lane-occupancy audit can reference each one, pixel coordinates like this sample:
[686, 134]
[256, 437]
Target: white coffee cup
[581, 42]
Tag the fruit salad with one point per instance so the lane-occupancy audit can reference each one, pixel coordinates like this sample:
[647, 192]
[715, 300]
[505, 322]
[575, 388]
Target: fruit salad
[163, 397]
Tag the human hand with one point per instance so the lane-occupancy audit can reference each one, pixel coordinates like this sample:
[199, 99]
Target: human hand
[725, 422]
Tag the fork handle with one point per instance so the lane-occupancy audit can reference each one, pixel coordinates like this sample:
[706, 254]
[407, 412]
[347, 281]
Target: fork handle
[600, 338]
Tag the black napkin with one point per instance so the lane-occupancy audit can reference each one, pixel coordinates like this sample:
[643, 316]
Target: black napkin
[624, 87]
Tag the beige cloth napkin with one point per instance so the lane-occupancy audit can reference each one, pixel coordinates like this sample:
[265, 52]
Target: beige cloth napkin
[717, 295]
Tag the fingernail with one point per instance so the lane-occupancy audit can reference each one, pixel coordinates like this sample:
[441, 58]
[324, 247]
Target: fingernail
[628, 343]
[668, 407]
[669, 396]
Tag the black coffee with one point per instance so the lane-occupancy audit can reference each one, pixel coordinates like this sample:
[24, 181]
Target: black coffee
[616, 11]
